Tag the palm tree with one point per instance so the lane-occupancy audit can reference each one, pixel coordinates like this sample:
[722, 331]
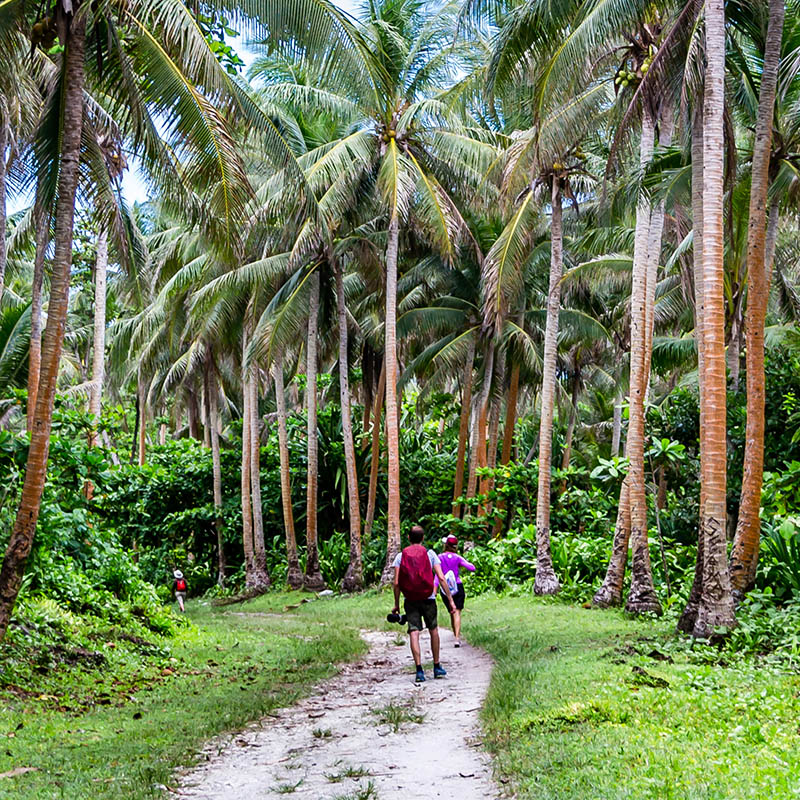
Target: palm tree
[744, 556]
[213, 425]
[716, 604]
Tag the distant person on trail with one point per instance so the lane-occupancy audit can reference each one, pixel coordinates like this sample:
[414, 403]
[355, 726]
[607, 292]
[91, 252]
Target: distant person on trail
[179, 587]
[414, 572]
[451, 562]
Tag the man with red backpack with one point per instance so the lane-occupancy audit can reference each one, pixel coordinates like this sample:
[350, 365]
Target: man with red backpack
[414, 570]
[179, 587]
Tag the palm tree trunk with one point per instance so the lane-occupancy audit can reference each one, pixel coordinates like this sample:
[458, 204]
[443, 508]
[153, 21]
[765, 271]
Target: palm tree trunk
[354, 577]
[689, 615]
[4, 142]
[260, 573]
[294, 575]
[99, 346]
[375, 454]
[313, 578]
[642, 596]
[142, 430]
[474, 459]
[716, 602]
[610, 591]
[546, 581]
[392, 417]
[744, 557]
[616, 429]
[247, 507]
[212, 403]
[508, 437]
[481, 429]
[42, 221]
[573, 419]
[21, 539]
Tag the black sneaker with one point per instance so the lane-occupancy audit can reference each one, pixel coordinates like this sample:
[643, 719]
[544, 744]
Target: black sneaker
[420, 676]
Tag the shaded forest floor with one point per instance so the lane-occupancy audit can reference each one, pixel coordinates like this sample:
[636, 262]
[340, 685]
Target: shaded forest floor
[582, 703]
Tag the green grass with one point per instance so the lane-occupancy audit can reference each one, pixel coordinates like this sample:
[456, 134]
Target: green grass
[395, 715]
[118, 731]
[582, 706]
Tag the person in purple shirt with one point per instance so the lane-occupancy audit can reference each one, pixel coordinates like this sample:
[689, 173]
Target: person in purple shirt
[451, 563]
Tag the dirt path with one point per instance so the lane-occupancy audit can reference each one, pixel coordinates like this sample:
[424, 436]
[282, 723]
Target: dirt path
[333, 744]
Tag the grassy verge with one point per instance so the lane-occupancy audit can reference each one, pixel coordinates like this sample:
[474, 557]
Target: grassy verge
[115, 720]
[583, 704]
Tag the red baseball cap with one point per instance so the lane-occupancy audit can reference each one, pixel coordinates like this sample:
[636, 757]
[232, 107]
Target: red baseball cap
[451, 539]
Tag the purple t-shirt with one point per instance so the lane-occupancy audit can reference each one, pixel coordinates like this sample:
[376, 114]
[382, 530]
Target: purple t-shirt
[453, 562]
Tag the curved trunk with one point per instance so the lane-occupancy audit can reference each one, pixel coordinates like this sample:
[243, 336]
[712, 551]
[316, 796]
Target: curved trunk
[744, 557]
[247, 508]
[21, 539]
[99, 345]
[642, 596]
[375, 454]
[294, 575]
[212, 403]
[546, 581]
[392, 433]
[35, 355]
[716, 602]
[354, 577]
[313, 577]
[689, 615]
[260, 573]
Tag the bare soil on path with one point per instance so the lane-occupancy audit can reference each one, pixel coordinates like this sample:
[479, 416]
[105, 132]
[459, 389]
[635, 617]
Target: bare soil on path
[370, 726]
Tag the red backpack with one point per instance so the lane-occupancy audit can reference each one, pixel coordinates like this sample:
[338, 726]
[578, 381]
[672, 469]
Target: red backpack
[416, 575]
[180, 585]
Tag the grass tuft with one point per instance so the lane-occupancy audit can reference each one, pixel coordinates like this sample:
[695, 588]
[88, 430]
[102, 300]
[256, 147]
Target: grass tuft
[397, 714]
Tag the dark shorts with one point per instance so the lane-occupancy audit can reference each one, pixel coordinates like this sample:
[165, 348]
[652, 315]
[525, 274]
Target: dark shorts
[419, 610]
[458, 597]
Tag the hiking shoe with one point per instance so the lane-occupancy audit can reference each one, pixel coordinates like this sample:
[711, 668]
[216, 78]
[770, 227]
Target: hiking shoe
[458, 643]
[421, 675]
[439, 671]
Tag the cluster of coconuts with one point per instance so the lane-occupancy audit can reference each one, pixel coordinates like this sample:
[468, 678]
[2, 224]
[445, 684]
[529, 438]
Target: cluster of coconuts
[625, 77]
[44, 33]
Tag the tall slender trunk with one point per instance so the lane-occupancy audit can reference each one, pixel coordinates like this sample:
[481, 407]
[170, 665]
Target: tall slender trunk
[508, 437]
[313, 577]
[716, 607]
[42, 221]
[616, 429]
[4, 143]
[610, 591]
[354, 577]
[212, 404]
[247, 450]
[481, 429]
[260, 573]
[294, 576]
[474, 459]
[193, 414]
[375, 454]
[142, 407]
[573, 419]
[392, 417]
[744, 557]
[367, 383]
[21, 539]
[642, 596]
[546, 581]
[99, 346]
[689, 615]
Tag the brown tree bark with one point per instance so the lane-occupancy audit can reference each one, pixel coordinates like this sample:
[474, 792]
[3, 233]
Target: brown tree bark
[508, 437]
[21, 539]
[42, 221]
[616, 429]
[546, 581]
[313, 577]
[261, 579]
[4, 142]
[716, 607]
[247, 506]
[392, 417]
[99, 345]
[482, 427]
[294, 575]
[744, 557]
[354, 577]
[375, 454]
[212, 403]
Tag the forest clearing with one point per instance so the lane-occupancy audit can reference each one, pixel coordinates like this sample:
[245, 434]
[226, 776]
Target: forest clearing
[397, 393]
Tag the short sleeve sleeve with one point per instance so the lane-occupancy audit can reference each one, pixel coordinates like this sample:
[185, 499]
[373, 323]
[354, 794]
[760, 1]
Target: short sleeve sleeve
[435, 561]
[396, 562]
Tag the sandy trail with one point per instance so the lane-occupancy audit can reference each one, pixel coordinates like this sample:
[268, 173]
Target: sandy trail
[331, 744]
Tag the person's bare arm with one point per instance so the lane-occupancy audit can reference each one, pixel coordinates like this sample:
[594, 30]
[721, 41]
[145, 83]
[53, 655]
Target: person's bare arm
[445, 588]
[396, 587]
